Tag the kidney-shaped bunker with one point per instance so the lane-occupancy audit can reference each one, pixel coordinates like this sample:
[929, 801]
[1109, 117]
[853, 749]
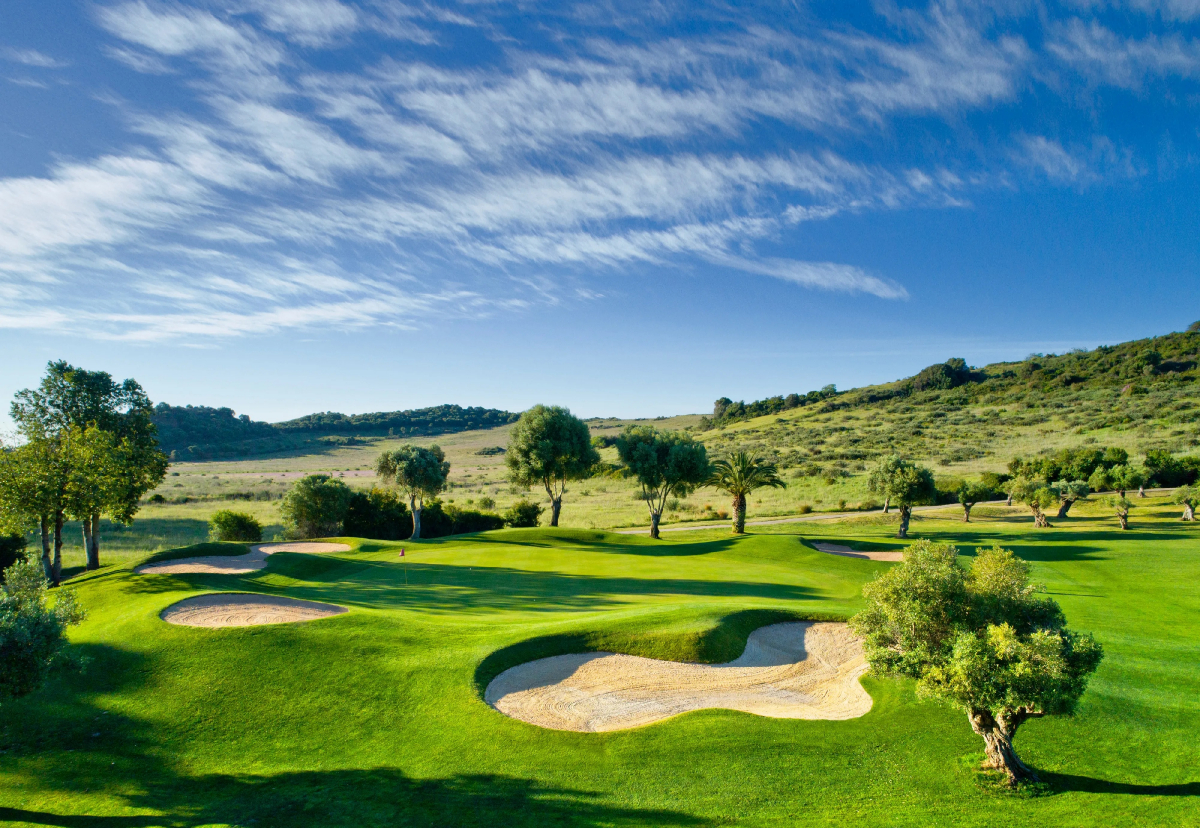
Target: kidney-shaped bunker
[243, 609]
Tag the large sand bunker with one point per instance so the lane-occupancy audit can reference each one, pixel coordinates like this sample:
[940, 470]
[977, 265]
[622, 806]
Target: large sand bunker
[252, 561]
[798, 670]
[243, 609]
[846, 551]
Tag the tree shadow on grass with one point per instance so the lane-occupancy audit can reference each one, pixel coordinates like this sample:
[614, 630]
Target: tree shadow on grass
[1088, 784]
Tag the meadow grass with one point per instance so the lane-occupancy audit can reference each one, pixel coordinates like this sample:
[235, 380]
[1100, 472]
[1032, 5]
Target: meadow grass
[376, 716]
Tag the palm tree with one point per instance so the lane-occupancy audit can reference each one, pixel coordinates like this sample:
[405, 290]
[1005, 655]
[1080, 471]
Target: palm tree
[740, 475]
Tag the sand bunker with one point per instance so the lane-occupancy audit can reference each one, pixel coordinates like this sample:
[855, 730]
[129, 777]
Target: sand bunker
[243, 609]
[846, 551]
[798, 670]
[252, 561]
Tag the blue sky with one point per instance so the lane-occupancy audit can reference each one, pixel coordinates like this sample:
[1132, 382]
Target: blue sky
[288, 206]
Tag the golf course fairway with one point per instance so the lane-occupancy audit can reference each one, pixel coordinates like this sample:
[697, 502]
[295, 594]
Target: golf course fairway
[377, 716]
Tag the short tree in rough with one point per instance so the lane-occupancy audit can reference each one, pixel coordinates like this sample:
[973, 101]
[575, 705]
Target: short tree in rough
[1187, 497]
[418, 473]
[982, 640]
[524, 514]
[1035, 494]
[1120, 506]
[1125, 477]
[315, 507]
[550, 446]
[666, 464]
[227, 525]
[32, 633]
[969, 494]
[739, 475]
[1068, 492]
[903, 483]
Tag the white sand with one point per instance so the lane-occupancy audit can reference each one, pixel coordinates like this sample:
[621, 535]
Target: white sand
[846, 551]
[800, 670]
[243, 609]
[252, 561]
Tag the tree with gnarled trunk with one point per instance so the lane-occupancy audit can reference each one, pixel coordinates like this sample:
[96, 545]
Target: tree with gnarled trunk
[1187, 497]
[982, 640]
[905, 484]
[550, 446]
[969, 494]
[418, 473]
[738, 476]
[1068, 492]
[1035, 494]
[665, 463]
[1121, 507]
[1123, 478]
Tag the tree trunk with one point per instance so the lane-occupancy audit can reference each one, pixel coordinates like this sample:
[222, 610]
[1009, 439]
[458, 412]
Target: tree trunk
[47, 566]
[905, 517]
[92, 541]
[1009, 501]
[654, 517]
[1141, 491]
[555, 508]
[887, 504]
[56, 564]
[967, 512]
[1124, 520]
[739, 515]
[416, 513]
[1120, 493]
[1189, 512]
[1039, 518]
[997, 741]
[1064, 507]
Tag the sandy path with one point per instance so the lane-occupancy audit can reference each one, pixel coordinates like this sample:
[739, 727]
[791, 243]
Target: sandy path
[846, 551]
[243, 609]
[801, 670]
[252, 561]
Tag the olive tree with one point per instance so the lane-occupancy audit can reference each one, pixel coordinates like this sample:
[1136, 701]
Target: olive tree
[903, 483]
[1120, 507]
[1035, 494]
[739, 475]
[665, 463]
[982, 640]
[1125, 477]
[1068, 492]
[32, 633]
[418, 473]
[550, 446]
[969, 494]
[1187, 497]
[315, 507]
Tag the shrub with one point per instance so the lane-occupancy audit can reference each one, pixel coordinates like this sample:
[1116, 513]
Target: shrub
[487, 503]
[522, 514]
[315, 507]
[156, 498]
[804, 508]
[226, 525]
[378, 514]
[12, 549]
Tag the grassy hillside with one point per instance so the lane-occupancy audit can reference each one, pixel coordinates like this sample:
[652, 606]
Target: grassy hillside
[376, 717]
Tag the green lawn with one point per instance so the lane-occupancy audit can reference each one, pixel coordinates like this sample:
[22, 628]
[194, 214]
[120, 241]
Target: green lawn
[376, 718]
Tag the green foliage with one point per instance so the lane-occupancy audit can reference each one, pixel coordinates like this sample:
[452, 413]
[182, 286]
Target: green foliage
[950, 374]
[1187, 496]
[1120, 507]
[227, 525]
[416, 471]
[548, 447]
[1069, 463]
[727, 411]
[379, 514]
[904, 483]
[315, 507]
[1125, 477]
[12, 550]
[983, 641]
[1070, 490]
[739, 475]
[666, 464]
[439, 520]
[32, 634]
[522, 514]
[1165, 469]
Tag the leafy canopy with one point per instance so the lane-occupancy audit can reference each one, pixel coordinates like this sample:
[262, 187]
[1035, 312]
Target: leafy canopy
[905, 483]
[417, 471]
[665, 463]
[549, 446]
[315, 507]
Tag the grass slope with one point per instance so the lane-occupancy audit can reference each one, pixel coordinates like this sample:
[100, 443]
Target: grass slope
[376, 717]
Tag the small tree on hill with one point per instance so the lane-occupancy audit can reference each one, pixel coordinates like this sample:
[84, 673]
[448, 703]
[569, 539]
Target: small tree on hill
[1187, 497]
[523, 514]
[1068, 492]
[905, 484]
[969, 494]
[665, 463]
[981, 640]
[1121, 507]
[32, 634]
[1035, 494]
[227, 525]
[315, 507]
[550, 446]
[418, 473]
[738, 476]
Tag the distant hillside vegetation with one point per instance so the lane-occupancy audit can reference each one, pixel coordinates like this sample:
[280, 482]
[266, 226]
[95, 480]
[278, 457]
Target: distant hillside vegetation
[197, 432]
